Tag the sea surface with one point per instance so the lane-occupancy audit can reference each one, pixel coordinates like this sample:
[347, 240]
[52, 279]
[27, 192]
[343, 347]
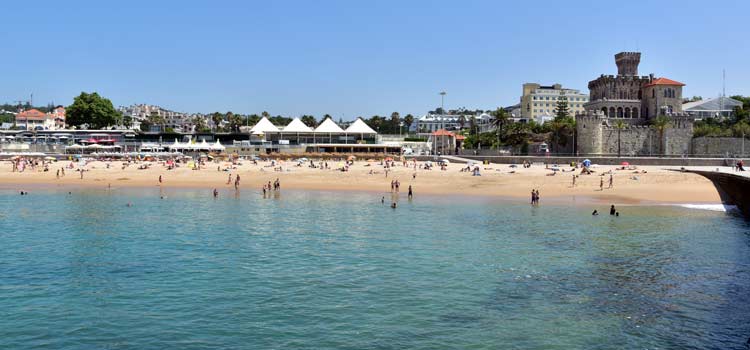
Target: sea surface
[339, 270]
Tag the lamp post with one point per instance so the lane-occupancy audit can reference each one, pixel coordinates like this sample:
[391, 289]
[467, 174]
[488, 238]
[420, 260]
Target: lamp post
[442, 114]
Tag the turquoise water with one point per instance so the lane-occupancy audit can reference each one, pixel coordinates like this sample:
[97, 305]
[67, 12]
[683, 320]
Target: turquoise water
[315, 270]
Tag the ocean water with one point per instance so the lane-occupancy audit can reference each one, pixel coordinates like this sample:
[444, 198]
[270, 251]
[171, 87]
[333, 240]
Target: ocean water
[318, 270]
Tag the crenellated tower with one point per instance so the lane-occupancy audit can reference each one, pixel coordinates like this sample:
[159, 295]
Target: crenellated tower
[627, 63]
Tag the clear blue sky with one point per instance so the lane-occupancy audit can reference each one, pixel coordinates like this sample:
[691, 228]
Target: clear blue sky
[352, 58]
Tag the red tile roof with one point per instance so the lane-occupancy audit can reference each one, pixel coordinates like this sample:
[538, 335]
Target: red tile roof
[443, 132]
[31, 114]
[664, 81]
[460, 137]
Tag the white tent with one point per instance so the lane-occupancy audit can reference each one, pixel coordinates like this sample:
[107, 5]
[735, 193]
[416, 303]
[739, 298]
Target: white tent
[217, 146]
[330, 128]
[296, 125]
[263, 126]
[359, 127]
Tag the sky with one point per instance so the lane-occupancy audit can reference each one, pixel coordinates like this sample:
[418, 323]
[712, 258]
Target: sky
[357, 58]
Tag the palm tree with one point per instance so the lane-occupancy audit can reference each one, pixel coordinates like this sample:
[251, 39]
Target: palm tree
[661, 124]
[461, 121]
[499, 120]
[619, 125]
[408, 121]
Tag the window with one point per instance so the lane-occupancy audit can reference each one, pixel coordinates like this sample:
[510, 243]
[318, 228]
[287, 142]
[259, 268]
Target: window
[653, 93]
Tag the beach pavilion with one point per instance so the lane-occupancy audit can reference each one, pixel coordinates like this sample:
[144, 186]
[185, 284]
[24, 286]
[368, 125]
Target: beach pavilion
[262, 129]
[295, 128]
[327, 127]
[361, 129]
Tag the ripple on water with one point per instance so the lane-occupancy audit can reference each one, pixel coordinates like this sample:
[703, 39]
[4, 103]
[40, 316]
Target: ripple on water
[322, 270]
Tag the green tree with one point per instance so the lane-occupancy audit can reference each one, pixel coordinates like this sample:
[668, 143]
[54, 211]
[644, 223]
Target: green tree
[253, 119]
[127, 121]
[619, 125]
[91, 109]
[661, 124]
[499, 121]
[309, 120]
[408, 121]
[461, 121]
[235, 121]
[217, 118]
[199, 123]
[562, 110]
[375, 122]
[395, 123]
[265, 114]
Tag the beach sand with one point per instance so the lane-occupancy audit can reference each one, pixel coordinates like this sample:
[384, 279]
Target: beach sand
[658, 185]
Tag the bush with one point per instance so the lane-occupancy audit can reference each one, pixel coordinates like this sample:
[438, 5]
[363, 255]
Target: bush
[415, 139]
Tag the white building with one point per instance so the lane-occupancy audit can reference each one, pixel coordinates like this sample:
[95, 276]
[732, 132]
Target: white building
[432, 122]
[539, 102]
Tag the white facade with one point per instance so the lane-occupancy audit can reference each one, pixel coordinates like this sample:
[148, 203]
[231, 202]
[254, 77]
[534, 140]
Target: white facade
[429, 122]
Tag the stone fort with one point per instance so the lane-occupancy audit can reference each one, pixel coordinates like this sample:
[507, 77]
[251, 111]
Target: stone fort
[635, 101]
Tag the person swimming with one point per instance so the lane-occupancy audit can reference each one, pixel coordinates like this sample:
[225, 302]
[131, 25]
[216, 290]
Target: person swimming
[595, 213]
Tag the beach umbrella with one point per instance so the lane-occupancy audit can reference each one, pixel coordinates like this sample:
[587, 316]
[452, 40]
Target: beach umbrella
[625, 164]
[586, 163]
[50, 158]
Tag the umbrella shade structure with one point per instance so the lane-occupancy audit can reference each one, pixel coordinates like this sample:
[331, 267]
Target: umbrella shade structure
[389, 158]
[351, 158]
[50, 158]
[586, 163]
[625, 164]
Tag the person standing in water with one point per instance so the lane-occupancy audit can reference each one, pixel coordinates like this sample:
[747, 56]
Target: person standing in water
[411, 194]
[216, 193]
[612, 210]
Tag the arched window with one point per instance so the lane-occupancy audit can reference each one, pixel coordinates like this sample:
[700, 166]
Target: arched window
[619, 112]
[604, 110]
[627, 112]
[611, 112]
[634, 113]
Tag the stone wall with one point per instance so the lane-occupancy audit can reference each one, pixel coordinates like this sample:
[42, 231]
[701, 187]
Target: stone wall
[634, 141]
[720, 146]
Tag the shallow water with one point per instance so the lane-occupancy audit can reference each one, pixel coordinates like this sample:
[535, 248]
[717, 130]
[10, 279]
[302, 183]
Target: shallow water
[317, 270]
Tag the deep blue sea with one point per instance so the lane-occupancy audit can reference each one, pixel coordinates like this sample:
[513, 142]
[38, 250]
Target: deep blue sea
[338, 270]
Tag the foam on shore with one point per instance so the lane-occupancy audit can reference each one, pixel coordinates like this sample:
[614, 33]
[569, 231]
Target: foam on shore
[711, 207]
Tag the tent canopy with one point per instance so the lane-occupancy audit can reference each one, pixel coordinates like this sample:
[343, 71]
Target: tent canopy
[329, 127]
[296, 125]
[360, 127]
[263, 126]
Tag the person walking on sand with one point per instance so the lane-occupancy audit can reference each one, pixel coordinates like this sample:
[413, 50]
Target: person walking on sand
[601, 184]
[610, 180]
[58, 174]
[574, 180]
[229, 180]
[159, 179]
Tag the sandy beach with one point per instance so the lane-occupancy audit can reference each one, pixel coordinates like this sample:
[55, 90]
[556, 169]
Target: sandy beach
[656, 185]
